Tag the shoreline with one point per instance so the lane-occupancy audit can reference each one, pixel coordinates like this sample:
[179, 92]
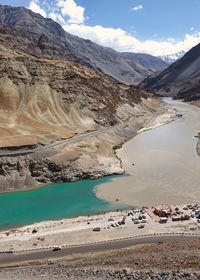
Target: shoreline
[94, 214]
[24, 189]
[85, 159]
[155, 121]
[157, 165]
[161, 120]
[164, 117]
[79, 231]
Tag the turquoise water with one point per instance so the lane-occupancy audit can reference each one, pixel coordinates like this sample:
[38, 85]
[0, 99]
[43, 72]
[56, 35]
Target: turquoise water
[52, 202]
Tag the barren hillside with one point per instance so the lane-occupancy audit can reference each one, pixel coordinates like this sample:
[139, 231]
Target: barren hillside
[181, 79]
[129, 69]
[46, 95]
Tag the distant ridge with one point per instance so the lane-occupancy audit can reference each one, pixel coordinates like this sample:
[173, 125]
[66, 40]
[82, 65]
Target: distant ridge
[126, 68]
[181, 79]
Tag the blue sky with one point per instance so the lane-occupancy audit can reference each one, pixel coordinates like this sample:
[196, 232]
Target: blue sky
[157, 27]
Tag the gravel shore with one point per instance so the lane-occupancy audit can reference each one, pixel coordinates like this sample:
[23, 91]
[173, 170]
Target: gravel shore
[113, 225]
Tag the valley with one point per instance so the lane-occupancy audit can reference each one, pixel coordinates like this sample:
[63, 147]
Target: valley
[51, 106]
[166, 163]
[99, 148]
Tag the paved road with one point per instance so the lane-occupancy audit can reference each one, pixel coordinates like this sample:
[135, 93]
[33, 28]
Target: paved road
[59, 144]
[8, 259]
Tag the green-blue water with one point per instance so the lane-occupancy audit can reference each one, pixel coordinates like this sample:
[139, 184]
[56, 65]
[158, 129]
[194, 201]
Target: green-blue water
[52, 202]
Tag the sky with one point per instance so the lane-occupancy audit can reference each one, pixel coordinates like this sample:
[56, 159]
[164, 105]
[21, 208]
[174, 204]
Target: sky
[157, 27]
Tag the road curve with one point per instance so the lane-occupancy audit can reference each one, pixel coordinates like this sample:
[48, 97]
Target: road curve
[59, 144]
[13, 258]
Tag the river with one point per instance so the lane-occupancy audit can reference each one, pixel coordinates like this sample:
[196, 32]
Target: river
[166, 170]
[52, 202]
[166, 165]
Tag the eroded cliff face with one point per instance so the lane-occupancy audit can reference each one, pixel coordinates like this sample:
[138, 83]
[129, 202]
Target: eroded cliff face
[91, 157]
[47, 98]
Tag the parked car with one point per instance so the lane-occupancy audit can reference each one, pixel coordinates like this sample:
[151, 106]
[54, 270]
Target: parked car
[141, 226]
[96, 229]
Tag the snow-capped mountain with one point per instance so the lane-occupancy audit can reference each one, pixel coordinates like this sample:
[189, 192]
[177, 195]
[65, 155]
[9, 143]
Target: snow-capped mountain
[171, 58]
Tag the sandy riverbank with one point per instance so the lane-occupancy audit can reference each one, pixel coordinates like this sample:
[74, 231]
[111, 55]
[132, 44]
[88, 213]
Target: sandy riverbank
[79, 230]
[128, 195]
[162, 164]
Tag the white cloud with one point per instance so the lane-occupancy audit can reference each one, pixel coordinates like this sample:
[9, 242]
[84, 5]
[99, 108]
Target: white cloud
[72, 10]
[120, 40]
[136, 8]
[34, 6]
[71, 17]
[171, 40]
[56, 17]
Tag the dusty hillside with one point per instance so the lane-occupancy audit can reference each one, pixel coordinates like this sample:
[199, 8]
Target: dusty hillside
[52, 99]
[45, 98]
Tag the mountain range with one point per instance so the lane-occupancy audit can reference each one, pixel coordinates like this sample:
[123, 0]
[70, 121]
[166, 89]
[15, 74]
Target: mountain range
[49, 102]
[126, 68]
[181, 79]
[56, 87]
[47, 94]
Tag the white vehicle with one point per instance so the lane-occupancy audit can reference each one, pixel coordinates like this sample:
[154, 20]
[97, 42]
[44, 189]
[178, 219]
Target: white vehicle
[56, 248]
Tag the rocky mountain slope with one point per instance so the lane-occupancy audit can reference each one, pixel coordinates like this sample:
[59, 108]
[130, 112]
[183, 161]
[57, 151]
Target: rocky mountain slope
[53, 98]
[45, 98]
[181, 79]
[128, 69]
[150, 62]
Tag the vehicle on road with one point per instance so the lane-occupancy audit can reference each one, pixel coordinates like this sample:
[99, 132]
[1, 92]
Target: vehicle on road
[56, 248]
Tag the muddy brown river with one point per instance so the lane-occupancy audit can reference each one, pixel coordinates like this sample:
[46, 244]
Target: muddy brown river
[167, 167]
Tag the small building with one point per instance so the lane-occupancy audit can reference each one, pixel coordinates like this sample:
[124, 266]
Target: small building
[163, 211]
[163, 220]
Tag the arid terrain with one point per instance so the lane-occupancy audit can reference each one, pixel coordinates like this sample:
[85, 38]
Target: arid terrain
[47, 96]
[160, 251]
[168, 260]
[66, 106]
[128, 68]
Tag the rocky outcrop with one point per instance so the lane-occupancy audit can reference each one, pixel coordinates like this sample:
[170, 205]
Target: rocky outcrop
[150, 62]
